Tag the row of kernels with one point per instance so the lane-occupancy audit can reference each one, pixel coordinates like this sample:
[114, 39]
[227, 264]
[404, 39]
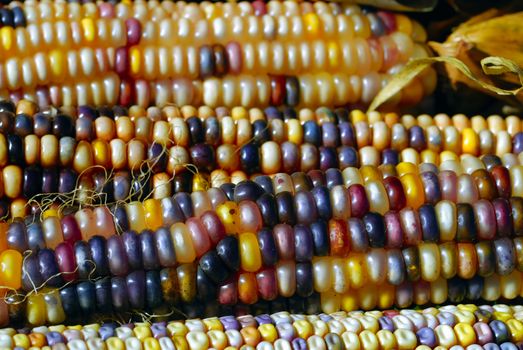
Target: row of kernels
[265, 157]
[448, 139]
[92, 32]
[379, 189]
[354, 321]
[173, 286]
[290, 158]
[401, 189]
[23, 42]
[456, 290]
[102, 91]
[236, 129]
[49, 152]
[264, 57]
[139, 290]
[354, 274]
[448, 176]
[494, 123]
[53, 67]
[186, 242]
[203, 10]
[227, 130]
[336, 238]
[246, 90]
[198, 10]
[304, 198]
[496, 324]
[189, 61]
[240, 132]
[366, 24]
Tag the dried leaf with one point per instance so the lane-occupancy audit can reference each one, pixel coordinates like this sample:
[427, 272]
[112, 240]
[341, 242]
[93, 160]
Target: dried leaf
[490, 66]
[489, 34]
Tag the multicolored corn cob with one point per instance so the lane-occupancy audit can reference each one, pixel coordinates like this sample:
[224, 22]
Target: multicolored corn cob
[281, 261]
[457, 327]
[240, 55]
[279, 146]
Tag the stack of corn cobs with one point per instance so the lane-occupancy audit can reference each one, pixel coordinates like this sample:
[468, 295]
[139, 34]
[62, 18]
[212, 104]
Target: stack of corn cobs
[169, 161]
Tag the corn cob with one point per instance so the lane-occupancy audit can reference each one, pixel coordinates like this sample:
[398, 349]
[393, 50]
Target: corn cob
[185, 291]
[214, 69]
[114, 124]
[226, 157]
[331, 299]
[302, 198]
[382, 188]
[83, 154]
[324, 264]
[475, 141]
[301, 152]
[470, 258]
[353, 330]
[229, 131]
[213, 59]
[253, 158]
[50, 235]
[447, 326]
[463, 181]
[467, 252]
[249, 91]
[494, 123]
[364, 23]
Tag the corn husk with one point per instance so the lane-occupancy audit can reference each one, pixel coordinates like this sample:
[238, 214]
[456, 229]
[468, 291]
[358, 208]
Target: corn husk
[492, 66]
[400, 5]
[488, 34]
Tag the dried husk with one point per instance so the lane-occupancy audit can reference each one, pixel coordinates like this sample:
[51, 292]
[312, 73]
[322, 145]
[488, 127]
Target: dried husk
[491, 65]
[488, 34]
